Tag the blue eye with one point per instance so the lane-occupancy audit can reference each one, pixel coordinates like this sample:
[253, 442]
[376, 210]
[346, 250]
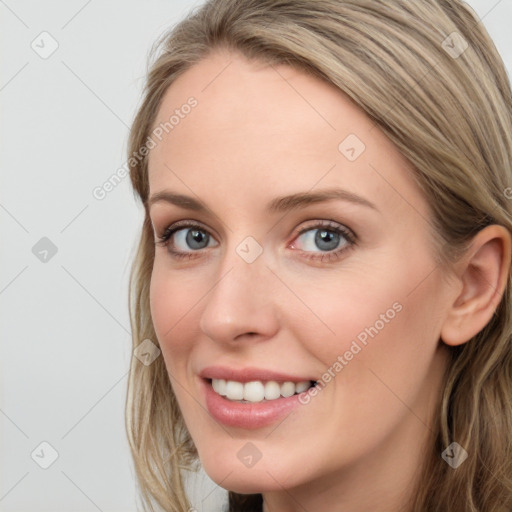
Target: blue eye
[187, 234]
[195, 238]
[330, 238]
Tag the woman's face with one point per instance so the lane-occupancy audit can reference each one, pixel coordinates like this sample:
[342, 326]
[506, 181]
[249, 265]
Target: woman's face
[345, 287]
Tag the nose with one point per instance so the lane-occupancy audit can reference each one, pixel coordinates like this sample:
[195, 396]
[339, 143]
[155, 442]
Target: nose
[242, 302]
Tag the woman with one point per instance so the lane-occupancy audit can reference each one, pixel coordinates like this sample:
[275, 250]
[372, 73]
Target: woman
[325, 259]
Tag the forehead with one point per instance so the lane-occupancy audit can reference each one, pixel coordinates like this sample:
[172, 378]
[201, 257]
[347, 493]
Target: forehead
[268, 130]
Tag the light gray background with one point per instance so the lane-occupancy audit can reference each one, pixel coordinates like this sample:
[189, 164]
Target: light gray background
[65, 333]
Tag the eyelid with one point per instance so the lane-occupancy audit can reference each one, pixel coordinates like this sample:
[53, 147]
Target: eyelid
[182, 224]
[329, 224]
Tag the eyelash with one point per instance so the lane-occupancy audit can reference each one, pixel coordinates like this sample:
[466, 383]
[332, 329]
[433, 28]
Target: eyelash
[164, 239]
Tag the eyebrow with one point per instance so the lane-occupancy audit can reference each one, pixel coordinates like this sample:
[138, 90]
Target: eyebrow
[279, 204]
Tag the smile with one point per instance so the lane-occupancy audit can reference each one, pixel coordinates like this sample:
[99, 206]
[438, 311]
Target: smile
[257, 390]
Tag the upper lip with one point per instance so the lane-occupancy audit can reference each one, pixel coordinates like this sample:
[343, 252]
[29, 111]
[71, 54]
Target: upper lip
[248, 374]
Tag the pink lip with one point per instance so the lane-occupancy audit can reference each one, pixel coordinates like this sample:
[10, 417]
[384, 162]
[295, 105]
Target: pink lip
[246, 415]
[248, 374]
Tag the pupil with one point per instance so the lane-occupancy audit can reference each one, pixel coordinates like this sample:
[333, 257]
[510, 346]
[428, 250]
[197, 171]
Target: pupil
[195, 237]
[327, 237]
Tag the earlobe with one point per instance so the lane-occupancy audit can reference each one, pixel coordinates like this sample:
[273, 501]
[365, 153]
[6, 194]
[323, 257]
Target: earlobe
[483, 273]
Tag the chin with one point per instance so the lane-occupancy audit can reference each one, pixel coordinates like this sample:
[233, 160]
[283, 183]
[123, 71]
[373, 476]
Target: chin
[249, 483]
[242, 480]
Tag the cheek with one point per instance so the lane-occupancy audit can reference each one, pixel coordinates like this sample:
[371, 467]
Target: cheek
[384, 329]
[350, 315]
[171, 305]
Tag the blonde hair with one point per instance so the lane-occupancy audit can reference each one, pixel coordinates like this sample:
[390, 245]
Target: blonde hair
[450, 115]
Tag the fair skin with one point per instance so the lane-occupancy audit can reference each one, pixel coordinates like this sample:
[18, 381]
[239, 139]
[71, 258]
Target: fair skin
[259, 132]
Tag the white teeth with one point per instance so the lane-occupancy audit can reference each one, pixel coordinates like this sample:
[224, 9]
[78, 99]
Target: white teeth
[234, 390]
[287, 389]
[302, 386]
[219, 385]
[272, 390]
[256, 390]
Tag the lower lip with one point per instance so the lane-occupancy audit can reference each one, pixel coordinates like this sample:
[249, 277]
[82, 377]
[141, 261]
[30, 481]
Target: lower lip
[247, 415]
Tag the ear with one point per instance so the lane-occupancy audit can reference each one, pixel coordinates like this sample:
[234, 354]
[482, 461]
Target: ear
[483, 273]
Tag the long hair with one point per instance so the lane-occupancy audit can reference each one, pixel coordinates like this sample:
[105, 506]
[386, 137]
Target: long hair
[428, 75]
